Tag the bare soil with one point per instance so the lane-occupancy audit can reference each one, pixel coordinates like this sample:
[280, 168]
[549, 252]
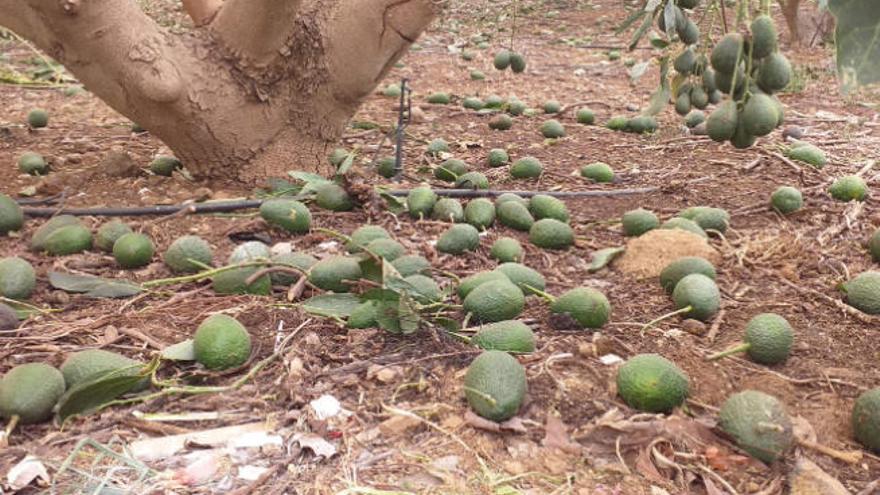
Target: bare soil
[768, 263]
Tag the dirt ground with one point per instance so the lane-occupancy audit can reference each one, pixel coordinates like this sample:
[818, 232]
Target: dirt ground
[406, 429]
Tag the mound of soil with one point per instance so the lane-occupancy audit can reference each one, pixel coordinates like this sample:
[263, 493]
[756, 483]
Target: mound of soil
[648, 254]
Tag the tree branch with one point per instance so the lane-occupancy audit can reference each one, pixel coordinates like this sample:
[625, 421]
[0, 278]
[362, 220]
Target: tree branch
[202, 12]
[255, 30]
[371, 35]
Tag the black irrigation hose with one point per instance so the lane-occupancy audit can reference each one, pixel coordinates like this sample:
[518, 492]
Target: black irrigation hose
[227, 206]
[140, 211]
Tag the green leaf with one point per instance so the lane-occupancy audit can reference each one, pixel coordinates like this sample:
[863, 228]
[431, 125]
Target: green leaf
[308, 177]
[640, 32]
[93, 286]
[395, 205]
[181, 351]
[602, 257]
[331, 305]
[857, 38]
[94, 393]
[660, 98]
[346, 164]
[669, 18]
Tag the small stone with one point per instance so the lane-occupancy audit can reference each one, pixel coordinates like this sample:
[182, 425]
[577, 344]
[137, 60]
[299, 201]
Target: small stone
[694, 327]
[8, 318]
[418, 115]
[202, 194]
[118, 163]
[792, 132]
[398, 425]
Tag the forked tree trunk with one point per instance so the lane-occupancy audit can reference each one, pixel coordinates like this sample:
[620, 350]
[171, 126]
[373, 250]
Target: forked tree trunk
[261, 87]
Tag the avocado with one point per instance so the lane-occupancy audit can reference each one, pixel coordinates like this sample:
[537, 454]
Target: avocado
[495, 301]
[643, 124]
[682, 267]
[866, 419]
[509, 336]
[472, 180]
[364, 315]
[585, 116]
[221, 343]
[68, 239]
[652, 383]
[516, 107]
[32, 163]
[684, 224]
[769, 337]
[545, 206]
[588, 307]
[30, 391]
[426, 289]
[849, 188]
[552, 129]
[11, 216]
[438, 98]
[458, 239]
[758, 423]
[742, 139]
[874, 245]
[617, 123]
[470, 283]
[501, 60]
[38, 118]
[450, 169]
[234, 282]
[685, 62]
[526, 168]
[420, 201]
[495, 385]
[472, 103]
[682, 104]
[517, 63]
[637, 222]
[363, 235]
[699, 98]
[721, 124]
[764, 37]
[480, 212]
[440, 145]
[807, 153]
[695, 118]
[392, 90]
[690, 33]
[494, 101]
[8, 318]
[514, 215]
[863, 292]
[507, 250]
[598, 172]
[698, 292]
[17, 278]
[335, 273]
[249, 251]
[82, 366]
[552, 106]
[708, 218]
[503, 198]
[448, 210]
[550, 233]
[288, 214]
[411, 264]
[300, 261]
[333, 197]
[165, 165]
[523, 277]
[497, 157]
[385, 248]
[759, 116]
[38, 240]
[477, 75]
[500, 122]
[727, 53]
[786, 200]
[386, 167]
[109, 233]
[774, 73]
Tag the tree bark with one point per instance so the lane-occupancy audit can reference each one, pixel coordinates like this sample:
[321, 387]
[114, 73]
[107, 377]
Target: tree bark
[264, 87]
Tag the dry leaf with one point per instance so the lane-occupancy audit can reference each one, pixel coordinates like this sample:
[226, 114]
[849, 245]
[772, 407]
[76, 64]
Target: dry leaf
[711, 489]
[319, 446]
[26, 472]
[809, 479]
[646, 467]
[556, 435]
[203, 469]
[803, 430]
[153, 449]
[514, 424]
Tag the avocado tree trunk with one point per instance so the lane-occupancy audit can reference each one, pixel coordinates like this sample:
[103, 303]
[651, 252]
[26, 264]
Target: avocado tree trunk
[259, 87]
